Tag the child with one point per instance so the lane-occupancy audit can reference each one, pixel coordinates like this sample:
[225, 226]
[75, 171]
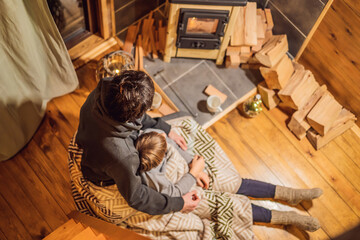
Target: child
[152, 148]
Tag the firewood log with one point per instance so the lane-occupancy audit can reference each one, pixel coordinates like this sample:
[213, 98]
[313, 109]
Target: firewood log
[268, 96]
[273, 50]
[278, 76]
[298, 124]
[299, 88]
[343, 122]
[245, 32]
[324, 113]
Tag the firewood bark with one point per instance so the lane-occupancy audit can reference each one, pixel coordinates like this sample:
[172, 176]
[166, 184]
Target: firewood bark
[273, 50]
[278, 76]
[269, 19]
[268, 96]
[260, 29]
[324, 113]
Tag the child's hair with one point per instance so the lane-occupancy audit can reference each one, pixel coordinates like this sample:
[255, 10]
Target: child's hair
[151, 147]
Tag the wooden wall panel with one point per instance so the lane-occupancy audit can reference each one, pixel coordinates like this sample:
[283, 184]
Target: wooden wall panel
[333, 54]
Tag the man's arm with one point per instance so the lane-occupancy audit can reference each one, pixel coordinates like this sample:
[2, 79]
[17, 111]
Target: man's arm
[159, 182]
[158, 123]
[138, 195]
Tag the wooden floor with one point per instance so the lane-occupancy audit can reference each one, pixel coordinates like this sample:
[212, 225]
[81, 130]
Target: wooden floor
[35, 192]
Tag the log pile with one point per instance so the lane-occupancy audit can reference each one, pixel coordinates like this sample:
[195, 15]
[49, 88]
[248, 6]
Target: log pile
[148, 36]
[314, 111]
[253, 31]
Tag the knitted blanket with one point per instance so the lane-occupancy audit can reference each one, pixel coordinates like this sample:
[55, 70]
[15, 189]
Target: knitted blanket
[221, 214]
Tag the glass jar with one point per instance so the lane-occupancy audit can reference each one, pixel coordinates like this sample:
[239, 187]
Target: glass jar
[113, 64]
[252, 106]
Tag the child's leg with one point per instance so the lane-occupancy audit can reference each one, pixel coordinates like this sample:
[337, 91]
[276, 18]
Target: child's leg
[264, 215]
[260, 214]
[258, 189]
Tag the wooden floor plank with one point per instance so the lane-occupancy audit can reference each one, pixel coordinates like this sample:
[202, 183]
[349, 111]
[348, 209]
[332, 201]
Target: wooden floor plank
[49, 175]
[45, 138]
[343, 162]
[350, 145]
[69, 108]
[10, 224]
[80, 96]
[60, 127]
[2, 236]
[36, 192]
[20, 203]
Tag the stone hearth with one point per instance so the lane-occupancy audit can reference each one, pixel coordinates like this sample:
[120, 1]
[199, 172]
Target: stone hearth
[184, 81]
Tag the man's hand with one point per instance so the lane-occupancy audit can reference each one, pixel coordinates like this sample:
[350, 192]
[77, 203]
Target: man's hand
[197, 166]
[178, 139]
[203, 180]
[191, 200]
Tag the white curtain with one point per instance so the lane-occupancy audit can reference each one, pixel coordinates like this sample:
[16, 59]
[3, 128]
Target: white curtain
[34, 67]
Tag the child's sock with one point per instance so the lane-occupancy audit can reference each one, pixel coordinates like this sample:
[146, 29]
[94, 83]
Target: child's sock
[307, 223]
[295, 196]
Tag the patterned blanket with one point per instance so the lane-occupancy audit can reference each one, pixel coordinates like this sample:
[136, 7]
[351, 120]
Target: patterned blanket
[221, 214]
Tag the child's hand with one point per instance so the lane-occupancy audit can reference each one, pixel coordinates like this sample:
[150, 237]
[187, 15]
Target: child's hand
[197, 166]
[203, 180]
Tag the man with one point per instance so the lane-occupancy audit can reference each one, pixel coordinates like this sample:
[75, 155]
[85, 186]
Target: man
[110, 120]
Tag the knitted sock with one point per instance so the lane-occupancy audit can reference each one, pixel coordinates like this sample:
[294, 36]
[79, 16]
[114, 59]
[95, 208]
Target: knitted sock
[295, 196]
[307, 223]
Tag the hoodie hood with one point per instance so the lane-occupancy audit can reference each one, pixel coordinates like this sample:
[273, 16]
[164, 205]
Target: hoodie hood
[113, 127]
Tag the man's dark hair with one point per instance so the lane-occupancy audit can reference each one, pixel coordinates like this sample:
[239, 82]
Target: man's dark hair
[129, 96]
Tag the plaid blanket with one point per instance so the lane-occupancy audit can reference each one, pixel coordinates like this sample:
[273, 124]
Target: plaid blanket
[221, 214]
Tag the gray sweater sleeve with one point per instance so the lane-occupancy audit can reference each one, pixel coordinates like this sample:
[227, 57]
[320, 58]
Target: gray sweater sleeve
[159, 182]
[138, 195]
[187, 156]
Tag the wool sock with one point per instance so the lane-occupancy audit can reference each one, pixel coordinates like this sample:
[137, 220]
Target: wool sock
[307, 223]
[295, 196]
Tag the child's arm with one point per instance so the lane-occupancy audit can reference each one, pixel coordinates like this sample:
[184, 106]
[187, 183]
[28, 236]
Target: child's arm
[187, 156]
[159, 182]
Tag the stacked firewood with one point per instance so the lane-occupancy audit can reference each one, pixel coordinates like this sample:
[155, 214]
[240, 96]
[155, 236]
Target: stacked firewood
[253, 30]
[318, 116]
[315, 112]
[149, 37]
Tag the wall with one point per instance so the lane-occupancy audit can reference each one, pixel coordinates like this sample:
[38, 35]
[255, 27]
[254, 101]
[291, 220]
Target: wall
[295, 18]
[128, 11]
[333, 53]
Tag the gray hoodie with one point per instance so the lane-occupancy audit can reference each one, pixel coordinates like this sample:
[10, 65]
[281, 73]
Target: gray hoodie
[109, 153]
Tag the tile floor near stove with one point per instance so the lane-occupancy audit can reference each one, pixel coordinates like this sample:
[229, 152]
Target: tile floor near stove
[184, 82]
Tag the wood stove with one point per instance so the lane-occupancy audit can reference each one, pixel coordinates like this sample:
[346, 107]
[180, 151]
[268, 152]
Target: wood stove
[200, 28]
